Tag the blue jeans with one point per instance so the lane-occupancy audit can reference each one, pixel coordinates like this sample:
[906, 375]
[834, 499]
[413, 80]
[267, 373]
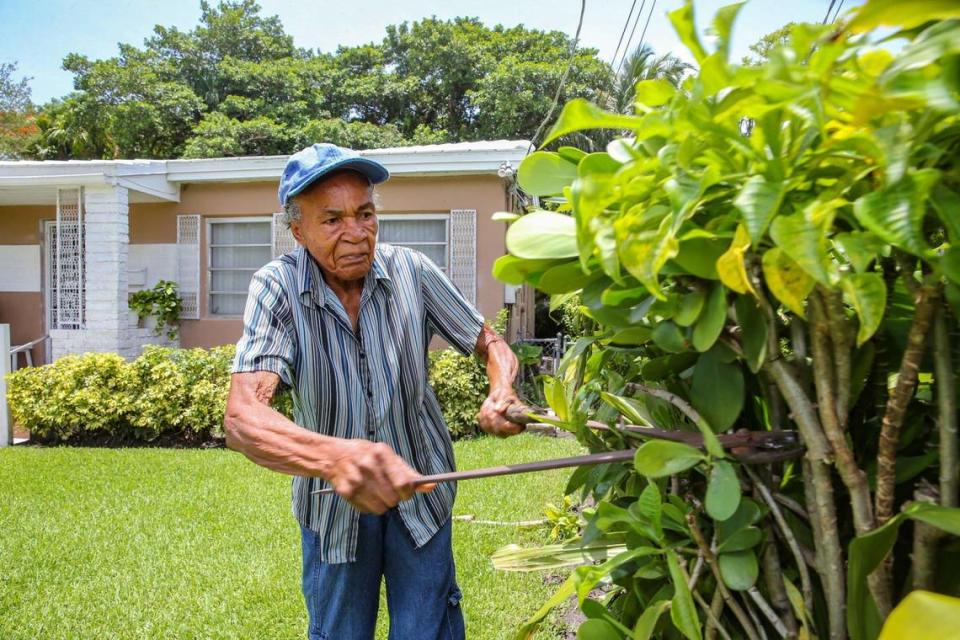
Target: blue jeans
[422, 594]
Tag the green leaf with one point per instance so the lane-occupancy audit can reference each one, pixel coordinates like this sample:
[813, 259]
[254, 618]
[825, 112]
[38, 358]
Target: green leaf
[698, 256]
[950, 263]
[946, 203]
[805, 242]
[867, 294]
[659, 368]
[579, 114]
[668, 337]
[723, 26]
[564, 278]
[905, 15]
[597, 629]
[753, 332]
[504, 216]
[572, 154]
[786, 280]
[514, 270]
[712, 319]
[691, 304]
[682, 611]
[649, 504]
[659, 458]
[723, 491]
[895, 212]
[860, 247]
[717, 391]
[746, 538]
[559, 597]
[748, 513]
[682, 20]
[647, 621]
[869, 550]
[739, 569]
[543, 173]
[758, 202]
[644, 254]
[654, 93]
[628, 407]
[543, 235]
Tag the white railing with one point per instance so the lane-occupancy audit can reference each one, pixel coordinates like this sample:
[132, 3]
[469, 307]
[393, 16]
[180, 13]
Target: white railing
[6, 424]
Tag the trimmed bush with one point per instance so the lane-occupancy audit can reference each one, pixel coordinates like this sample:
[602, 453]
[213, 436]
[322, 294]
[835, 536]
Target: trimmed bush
[460, 383]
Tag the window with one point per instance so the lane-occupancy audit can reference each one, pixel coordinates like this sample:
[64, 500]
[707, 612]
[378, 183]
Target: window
[238, 247]
[427, 233]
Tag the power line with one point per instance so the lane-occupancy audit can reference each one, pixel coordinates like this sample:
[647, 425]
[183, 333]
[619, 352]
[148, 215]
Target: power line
[622, 33]
[563, 80]
[643, 33]
[626, 49]
[829, 11]
[837, 14]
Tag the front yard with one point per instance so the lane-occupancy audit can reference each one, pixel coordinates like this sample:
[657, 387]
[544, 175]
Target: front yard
[160, 543]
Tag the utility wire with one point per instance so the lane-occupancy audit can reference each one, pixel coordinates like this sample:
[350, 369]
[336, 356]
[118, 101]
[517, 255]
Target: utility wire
[622, 33]
[626, 50]
[837, 14]
[563, 80]
[643, 34]
[826, 18]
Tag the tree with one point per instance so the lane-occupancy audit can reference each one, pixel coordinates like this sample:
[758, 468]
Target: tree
[761, 49]
[236, 84]
[644, 64]
[17, 127]
[801, 284]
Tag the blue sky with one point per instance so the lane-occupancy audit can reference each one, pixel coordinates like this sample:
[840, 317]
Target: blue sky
[39, 33]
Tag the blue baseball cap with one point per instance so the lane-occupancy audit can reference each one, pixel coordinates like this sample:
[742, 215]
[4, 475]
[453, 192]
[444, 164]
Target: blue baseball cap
[309, 165]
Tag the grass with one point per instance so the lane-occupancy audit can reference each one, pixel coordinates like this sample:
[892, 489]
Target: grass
[160, 543]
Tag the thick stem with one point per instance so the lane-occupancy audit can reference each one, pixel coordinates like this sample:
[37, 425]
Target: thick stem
[946, 385]
[773, 580]
[728, 598]
[925, 542]
[825, 383]
[841, 339]
[899, 399]
[819, 494]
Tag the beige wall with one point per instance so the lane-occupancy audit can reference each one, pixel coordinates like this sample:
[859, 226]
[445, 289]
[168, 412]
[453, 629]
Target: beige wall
[157, 224]
[23, 310]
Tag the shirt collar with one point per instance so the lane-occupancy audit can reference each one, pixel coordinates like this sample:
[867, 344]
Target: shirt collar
[310, 282]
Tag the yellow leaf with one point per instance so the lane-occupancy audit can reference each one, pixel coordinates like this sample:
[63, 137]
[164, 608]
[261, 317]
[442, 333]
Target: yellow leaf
[731, 267]
[923, 616]
[786, 280]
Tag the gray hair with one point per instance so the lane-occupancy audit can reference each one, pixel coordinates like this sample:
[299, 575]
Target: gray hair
[292, 211]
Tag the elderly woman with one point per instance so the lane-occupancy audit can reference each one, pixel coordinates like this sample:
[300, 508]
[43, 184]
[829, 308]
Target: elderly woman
[346, 323]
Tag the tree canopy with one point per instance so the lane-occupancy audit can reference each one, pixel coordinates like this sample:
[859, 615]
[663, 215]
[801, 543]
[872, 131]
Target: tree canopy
[17, 128]
[237, 85]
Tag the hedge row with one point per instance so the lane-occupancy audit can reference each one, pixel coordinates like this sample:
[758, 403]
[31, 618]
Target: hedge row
[179, 394]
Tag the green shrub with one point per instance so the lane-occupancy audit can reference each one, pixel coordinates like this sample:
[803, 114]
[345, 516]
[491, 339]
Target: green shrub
[79, 393]
[460, 383]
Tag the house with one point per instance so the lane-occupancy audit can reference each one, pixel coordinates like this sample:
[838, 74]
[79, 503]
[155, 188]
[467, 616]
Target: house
[77, 237]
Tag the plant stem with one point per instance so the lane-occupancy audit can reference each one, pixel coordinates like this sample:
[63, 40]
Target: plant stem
[824, 382]
[899, 398]
[712, 611]
[925, 542]
[805, 582]
[840, 338]
[728, 598]
[946, 384]
[769, 613]
[685, 407]
[819, 493]
[773, 580]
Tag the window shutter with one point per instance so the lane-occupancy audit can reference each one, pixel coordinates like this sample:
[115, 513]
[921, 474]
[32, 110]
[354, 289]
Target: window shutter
[188, 265]
[282, 237]
[463, 252]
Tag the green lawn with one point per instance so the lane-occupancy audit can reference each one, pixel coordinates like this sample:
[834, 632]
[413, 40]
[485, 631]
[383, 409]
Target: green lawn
[160, 543]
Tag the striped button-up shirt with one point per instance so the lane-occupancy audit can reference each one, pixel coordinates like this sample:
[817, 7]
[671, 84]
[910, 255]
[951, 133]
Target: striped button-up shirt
[369, 384]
